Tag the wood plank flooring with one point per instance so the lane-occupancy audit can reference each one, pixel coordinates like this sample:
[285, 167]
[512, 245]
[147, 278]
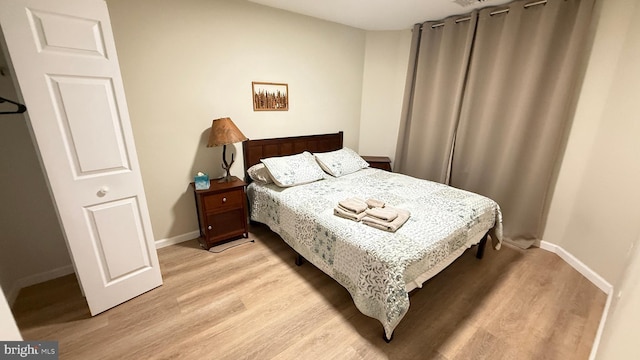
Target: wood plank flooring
[252, 302]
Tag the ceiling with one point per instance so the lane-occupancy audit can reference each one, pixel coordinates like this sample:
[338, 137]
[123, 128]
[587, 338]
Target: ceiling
[379, 14]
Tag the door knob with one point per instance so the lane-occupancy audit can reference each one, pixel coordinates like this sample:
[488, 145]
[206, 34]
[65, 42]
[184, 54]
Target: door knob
[103, 191]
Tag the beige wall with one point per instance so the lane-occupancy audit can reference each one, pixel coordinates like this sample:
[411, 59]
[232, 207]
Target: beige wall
[187, 62]
[31, 238]
[620, 337]
[385, 71]
[601, 217]
[594, 212]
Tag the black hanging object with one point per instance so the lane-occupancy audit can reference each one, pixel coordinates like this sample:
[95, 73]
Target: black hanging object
[21, 108]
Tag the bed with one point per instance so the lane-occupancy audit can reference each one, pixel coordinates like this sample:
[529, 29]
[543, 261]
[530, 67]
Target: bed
[378, 268]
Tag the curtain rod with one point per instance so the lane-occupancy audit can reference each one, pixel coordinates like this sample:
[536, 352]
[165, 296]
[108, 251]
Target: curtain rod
[541, 2]
[527, 5]
[459, 20]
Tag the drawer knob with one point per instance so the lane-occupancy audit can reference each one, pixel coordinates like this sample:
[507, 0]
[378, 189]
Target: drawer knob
[224, 199]
[209, 227]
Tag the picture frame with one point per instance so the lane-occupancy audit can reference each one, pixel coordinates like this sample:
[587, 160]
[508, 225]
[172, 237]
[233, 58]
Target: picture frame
[269, 96]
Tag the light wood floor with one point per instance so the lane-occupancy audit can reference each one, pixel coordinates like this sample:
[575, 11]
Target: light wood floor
[252, 302]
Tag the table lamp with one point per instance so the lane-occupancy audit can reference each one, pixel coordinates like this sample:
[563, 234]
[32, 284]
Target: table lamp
[224, 132]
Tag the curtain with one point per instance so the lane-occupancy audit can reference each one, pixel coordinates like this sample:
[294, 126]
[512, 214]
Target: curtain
[427, 135]
[517, 101]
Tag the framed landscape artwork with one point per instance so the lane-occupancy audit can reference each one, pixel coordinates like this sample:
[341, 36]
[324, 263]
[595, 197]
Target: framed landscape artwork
[270, 96]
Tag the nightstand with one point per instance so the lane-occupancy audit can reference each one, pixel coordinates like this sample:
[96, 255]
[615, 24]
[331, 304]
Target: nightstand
[378, 162]
[222, 212]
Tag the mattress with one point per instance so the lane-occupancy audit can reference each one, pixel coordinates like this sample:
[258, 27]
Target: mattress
[377, 267]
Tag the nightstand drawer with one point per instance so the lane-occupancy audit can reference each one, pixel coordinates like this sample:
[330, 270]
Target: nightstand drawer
[223, 201]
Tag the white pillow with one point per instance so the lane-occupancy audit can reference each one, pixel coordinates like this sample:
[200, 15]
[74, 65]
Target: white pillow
[260, 174]
[293, 169]
[341, 162]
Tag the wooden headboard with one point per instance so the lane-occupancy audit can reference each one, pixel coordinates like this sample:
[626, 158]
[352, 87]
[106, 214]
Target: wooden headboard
[254, 150]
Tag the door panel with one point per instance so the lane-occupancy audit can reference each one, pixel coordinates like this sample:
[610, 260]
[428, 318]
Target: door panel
[64, 33]
[113, 227]
[94, 146]
[66, 65]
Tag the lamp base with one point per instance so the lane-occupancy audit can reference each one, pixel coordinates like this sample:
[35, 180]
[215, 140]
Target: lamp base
[225, 165]
[225, 179]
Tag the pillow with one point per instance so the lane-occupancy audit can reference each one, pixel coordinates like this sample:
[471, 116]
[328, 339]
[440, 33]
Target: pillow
[293, 169]
[260, 174]
[341, 162]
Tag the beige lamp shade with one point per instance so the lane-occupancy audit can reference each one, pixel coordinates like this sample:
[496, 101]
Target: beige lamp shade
[224, 132]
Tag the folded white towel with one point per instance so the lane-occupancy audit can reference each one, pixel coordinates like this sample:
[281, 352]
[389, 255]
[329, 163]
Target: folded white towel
[353, 204]
[386, 213]
[338, 211]
[391, 226]
[374, 203]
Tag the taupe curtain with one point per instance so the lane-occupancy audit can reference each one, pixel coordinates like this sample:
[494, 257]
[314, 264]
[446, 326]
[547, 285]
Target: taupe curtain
[517, 102]
[424, 147]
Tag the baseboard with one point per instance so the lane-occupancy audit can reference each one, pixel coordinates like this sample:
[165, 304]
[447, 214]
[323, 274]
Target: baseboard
[579, 266]
[592, 276]
[12, 293]
[21, 283]
[177, 239]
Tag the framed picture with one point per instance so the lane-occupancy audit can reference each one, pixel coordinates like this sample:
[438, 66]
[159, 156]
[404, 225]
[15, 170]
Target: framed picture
[270, 96]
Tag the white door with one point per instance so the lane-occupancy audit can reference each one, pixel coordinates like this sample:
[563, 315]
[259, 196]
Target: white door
[66, 66]
[8, 328]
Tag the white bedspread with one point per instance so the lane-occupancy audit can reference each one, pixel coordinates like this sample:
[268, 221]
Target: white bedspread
[378, 268]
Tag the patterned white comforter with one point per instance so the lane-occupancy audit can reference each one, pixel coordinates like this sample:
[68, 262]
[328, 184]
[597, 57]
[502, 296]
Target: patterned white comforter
[378, 268]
